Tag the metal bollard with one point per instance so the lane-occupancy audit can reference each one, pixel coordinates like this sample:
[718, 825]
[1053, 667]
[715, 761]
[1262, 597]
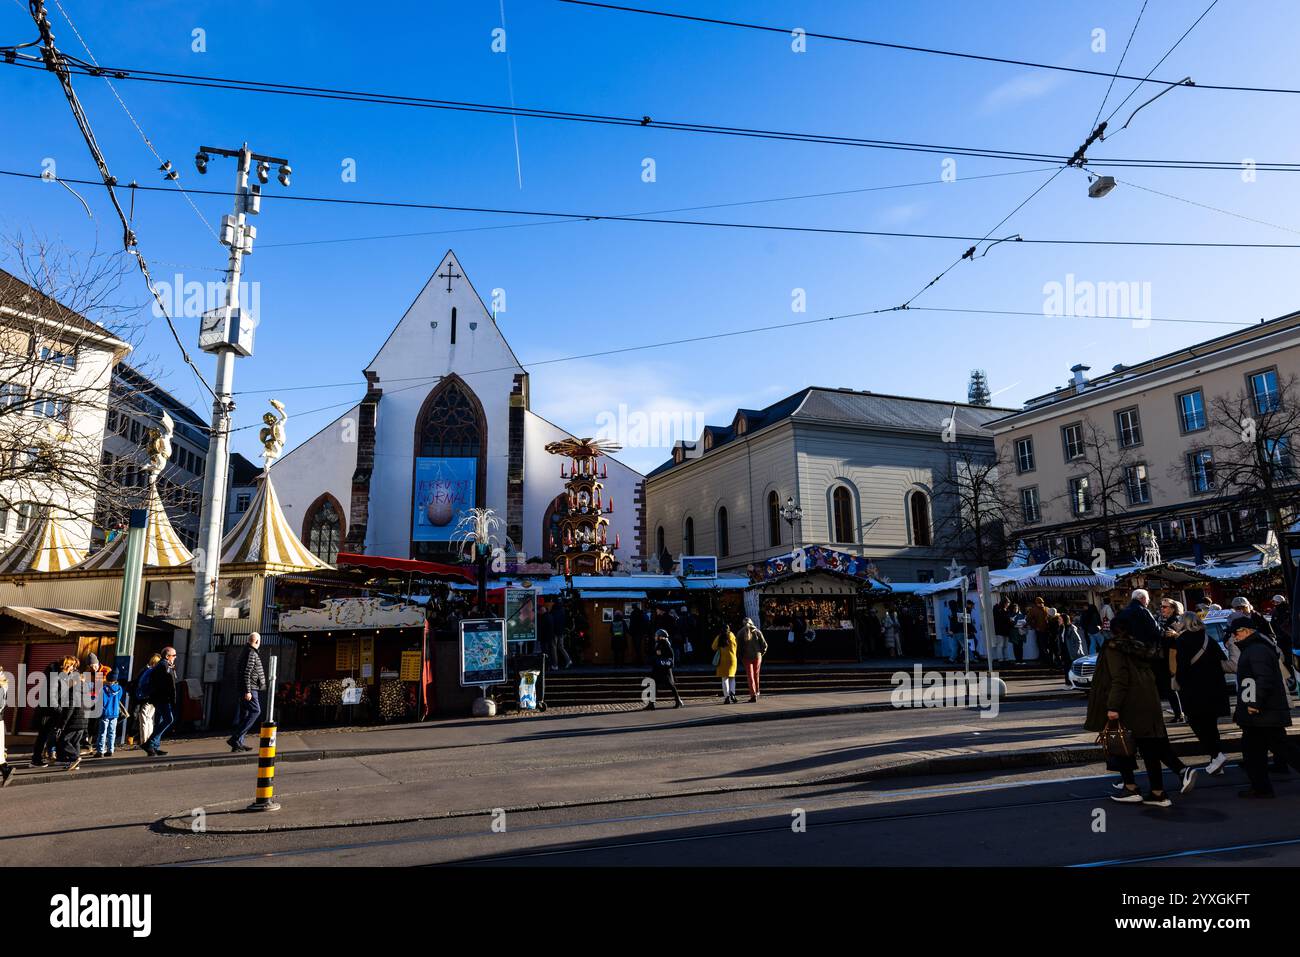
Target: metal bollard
[266, 771]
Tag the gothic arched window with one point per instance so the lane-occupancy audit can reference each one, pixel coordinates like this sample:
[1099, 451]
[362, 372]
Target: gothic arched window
[688, 537]
[724, 533]
[451, 425]
[551, 527]
[322, 529]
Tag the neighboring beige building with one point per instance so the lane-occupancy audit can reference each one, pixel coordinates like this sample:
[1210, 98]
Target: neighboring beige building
[863, 467]
[1153, 427]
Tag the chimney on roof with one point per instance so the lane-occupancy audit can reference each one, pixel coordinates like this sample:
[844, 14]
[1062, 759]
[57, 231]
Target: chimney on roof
[1080, 380]
[1118, 367]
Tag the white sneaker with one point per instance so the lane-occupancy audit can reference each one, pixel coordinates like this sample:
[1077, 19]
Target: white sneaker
[1128, 797]
[1216, 766]
[1189, 779]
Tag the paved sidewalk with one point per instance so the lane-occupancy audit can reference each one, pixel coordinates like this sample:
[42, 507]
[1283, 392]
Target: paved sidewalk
[325, 743]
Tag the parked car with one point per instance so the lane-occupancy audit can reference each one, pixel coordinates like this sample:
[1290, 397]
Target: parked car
[1216, 624]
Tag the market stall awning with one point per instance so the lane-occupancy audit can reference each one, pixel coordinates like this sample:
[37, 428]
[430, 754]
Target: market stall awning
[66, 622]
[1056, 575]
[613, 582]
[406, 566]
[724, 582]
[590, 593]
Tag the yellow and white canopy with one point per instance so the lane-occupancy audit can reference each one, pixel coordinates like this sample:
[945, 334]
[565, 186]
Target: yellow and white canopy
[263, 536]
[44, 547]
[163, 548]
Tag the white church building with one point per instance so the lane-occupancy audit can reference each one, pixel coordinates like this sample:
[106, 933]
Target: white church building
[444, 425]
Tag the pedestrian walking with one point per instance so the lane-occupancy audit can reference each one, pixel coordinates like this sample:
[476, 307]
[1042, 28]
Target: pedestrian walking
[1036, 622]
[799, 635]
[144, 709]
[753, 646]
[6, 769]
[1199, 680]
[76, 717]
[1170, 612]
[252, 682]
[725, 662]
[893, 633]
[163, 696]
[1282, 630]
[1071, 644]
[661, 670]
[111, 713]
[1090, 625]
[618, 639]
[1019, 634]
[1003, 629]
[1263, 712]
[52, 712]
[1124, 695]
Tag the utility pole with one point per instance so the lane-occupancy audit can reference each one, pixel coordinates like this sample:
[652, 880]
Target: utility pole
[228, 332]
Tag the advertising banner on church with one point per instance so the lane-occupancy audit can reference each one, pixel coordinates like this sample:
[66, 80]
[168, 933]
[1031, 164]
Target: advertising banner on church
[444, 492]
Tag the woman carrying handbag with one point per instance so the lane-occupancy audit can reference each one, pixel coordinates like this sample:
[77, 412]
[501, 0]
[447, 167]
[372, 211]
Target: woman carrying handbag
[1124, 698]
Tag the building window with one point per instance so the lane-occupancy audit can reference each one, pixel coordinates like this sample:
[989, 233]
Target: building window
[659, 541]
[1024, 455]
[450, 425]
[1278, 452]
[1200, 467]
[1072, 441]
[918, 509]
[1191, 411]
[724, 536]
[51, 408]
[1135, 483]
[1263, 391]
[1128, 428]
[59, 354]
[1029, 509]
[323, 528]
[1080, 496]
[25, 512]
[4, 520]
[453, 325]
[688, 536]
[242, 501]
[12, 394]
[842, 512]
[773, 519]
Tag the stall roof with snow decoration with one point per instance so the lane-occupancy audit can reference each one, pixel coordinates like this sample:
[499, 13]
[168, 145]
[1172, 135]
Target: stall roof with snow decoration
[817, 558]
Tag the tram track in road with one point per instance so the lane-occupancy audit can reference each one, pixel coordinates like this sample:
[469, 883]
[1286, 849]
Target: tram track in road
[888, 796]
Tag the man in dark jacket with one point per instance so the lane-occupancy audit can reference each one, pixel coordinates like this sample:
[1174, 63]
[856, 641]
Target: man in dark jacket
[1263, 711]
[50, 715]
[1138, 621]
[252, 682]
[162, 695]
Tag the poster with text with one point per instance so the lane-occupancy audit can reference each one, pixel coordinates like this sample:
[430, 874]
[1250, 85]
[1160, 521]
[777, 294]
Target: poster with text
[444, 492]
[521, 614]
[482, 651]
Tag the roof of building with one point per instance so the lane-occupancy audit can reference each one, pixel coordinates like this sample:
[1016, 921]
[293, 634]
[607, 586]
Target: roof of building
[22, 297]
[1126, 373]
[242, 471]
[863, 409]
[148, 387]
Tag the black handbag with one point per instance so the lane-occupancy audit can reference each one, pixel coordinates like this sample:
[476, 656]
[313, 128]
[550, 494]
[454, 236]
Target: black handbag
[1116, 741]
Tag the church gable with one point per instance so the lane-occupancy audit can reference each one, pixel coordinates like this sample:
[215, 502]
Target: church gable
[447, 328]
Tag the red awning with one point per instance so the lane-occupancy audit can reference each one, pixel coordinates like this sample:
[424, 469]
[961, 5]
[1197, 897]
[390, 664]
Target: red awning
[409, 565]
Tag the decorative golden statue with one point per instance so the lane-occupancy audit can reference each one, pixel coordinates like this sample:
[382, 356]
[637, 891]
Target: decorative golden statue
[272, 436]
[160, 446]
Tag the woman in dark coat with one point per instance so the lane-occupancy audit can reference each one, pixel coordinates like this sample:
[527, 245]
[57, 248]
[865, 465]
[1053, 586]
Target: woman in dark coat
[661, 670]
[1202, 688]
[1124, 692]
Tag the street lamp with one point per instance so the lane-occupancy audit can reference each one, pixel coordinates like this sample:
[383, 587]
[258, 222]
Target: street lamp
[792, 512]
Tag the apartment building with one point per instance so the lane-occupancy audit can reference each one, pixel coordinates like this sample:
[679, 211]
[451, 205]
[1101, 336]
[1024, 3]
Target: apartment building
[1148, 446]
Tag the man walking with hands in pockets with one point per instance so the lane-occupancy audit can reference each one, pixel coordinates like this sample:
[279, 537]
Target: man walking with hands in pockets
[252, 682]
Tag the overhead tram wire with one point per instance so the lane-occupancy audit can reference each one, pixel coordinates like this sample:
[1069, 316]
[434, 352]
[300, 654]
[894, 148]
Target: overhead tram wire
[1119, 66]
[57, 64]
[643, 122]
[932, 51]
[712, 224]
[1146, 79]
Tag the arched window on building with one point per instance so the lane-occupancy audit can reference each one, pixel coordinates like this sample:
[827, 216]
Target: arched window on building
[773, 519]
[918, 511]
[451, 425]
[322, 528]
[688, 536]
[842, 515]
[551, 527]
[659, 541]
[724, 533]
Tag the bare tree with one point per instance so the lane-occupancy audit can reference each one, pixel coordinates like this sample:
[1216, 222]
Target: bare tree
[65, 324]
[1251, 465]
[983, 509]
[1110, 481]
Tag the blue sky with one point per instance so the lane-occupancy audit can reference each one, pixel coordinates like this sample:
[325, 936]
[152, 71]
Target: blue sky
[581, 287]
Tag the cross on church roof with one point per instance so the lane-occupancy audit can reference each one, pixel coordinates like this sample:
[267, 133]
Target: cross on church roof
[449, 275]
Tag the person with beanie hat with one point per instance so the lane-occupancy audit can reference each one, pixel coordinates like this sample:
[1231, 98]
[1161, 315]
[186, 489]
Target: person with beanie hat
[661, 670]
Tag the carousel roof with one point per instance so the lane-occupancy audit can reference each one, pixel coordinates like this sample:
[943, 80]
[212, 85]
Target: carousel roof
[163, 548]
[44, 547]
[263, 536]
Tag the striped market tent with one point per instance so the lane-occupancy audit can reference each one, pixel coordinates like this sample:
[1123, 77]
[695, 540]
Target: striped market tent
[44, 547]
[163, 548]
[263, 537]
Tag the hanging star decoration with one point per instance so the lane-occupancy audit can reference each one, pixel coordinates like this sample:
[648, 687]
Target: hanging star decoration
[1269, 552]
[1210, 562]
[955, 570]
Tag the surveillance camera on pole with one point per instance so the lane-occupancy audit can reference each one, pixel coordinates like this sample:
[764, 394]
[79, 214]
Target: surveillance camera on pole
[227, 332]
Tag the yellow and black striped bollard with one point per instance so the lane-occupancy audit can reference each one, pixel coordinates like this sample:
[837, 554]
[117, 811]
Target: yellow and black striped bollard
[266, 771]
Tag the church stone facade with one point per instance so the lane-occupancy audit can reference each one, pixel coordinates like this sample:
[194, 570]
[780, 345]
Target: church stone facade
[444, 424]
